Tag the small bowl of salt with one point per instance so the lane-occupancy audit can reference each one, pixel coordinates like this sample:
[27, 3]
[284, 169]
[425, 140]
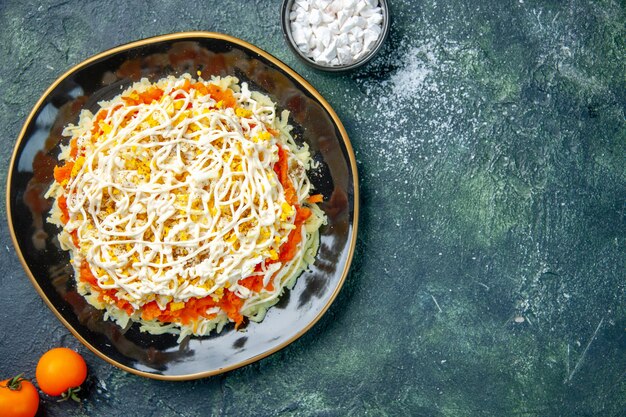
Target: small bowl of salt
[335, 35]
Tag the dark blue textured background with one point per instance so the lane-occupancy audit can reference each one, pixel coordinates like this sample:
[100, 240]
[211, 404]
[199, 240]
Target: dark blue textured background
[489, 273]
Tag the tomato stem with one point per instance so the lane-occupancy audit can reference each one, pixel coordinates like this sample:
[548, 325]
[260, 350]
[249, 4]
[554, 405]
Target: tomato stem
[70, 394]
[15, 383]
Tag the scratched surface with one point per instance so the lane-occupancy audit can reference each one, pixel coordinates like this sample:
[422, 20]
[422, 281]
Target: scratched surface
[489, 274]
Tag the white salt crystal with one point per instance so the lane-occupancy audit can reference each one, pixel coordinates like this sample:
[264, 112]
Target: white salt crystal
[342, 16]
[360, 54]
[301, 16]
[321, 60]
[304, 4]
[342, 40]
[308, 34]
[319, 46]
[349, 24]
[361, 22]
[357, 32]
[315, 54]
[336, 32]
[328, 17]
[334, 7]
[334, 28]
[369, 41]
[375, 29]
[360, 6]
[356, 47]
[315, 17]
[329, 52]
[344, 55]
[304, 48]
[323, 34]
[349, 5]
[371, 12]
[298, 37]
[374, 20]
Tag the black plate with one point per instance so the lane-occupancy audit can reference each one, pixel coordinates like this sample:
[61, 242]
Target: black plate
[102, 77]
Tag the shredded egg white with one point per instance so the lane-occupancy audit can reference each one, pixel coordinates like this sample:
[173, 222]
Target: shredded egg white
[170, 195]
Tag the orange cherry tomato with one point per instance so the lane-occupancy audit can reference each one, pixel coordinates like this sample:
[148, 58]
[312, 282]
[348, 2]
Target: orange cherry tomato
[61, 371]
[18, 398]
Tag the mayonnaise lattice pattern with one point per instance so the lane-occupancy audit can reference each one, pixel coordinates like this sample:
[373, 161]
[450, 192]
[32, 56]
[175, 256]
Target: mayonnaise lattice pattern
[175, 209]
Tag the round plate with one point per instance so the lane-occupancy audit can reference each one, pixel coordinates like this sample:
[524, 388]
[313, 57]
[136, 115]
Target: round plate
[104, 76]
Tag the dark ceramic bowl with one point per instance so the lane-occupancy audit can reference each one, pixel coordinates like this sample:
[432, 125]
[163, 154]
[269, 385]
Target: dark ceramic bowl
[101, 78]
[286, 27]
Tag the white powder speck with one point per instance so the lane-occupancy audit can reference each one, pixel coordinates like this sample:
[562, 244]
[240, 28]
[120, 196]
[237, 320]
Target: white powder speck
[410, 80]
